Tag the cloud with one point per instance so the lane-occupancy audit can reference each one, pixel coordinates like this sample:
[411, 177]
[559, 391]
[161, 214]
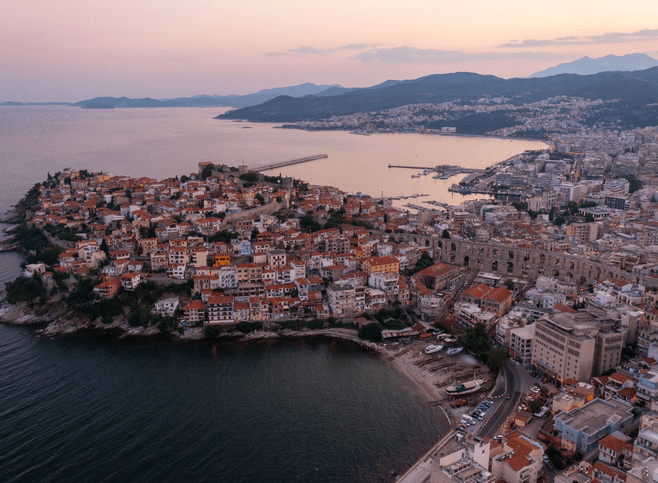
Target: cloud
[353, 47]
[406, 54]
[314, 50]
[311, 50]
[607, 38]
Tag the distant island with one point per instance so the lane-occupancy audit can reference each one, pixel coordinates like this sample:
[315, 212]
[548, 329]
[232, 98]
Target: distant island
[302, 90]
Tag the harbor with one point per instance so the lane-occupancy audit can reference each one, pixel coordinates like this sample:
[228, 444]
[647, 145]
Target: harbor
[442, 171]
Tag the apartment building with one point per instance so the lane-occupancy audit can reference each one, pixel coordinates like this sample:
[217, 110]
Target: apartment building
[520, 346]
[342, 299]
[220, 309]
[564, 346]
[371, 265]
[520, 461]
[646, 443]
[582, 428]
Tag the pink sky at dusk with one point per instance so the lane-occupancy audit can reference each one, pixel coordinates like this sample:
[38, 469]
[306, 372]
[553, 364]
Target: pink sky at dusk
[72, 50]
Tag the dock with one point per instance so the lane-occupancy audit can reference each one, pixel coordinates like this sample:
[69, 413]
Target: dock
[268, 167]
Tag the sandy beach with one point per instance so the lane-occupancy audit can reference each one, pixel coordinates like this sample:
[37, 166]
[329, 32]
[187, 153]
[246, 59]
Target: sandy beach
[462, 367]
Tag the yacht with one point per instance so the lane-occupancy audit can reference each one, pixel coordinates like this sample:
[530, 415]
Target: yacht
[453, 351]
[431, 349]
[465, 387]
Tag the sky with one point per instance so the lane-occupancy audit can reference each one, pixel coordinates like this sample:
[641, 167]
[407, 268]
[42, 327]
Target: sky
[71, 50]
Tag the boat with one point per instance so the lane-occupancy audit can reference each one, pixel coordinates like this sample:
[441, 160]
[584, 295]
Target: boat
[465, 387]
[431, 349]
[453, 351]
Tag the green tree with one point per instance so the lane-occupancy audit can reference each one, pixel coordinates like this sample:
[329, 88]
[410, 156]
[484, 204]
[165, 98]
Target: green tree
[24, 289]
[559, 220]
[371, 332]
[250, 177]
[140, 317]
[308, 224]
[315, 324]
[244, 327]
[423, 262]
[476, 339]
[535, 406]
[497, 360]
[445, 234]
[212, 331]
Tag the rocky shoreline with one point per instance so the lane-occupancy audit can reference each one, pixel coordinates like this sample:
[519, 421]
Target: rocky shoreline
[60, 322]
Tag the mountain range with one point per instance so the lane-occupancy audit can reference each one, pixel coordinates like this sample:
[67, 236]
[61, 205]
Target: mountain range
[609, 63]
[214, 101]
[635, 93]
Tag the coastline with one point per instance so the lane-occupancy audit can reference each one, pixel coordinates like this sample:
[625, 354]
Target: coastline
[366, 133]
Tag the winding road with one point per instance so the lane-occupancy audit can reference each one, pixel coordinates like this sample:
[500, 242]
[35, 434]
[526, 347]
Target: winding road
[511, 384]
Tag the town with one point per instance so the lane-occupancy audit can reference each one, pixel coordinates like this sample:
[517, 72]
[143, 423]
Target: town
[558, 272]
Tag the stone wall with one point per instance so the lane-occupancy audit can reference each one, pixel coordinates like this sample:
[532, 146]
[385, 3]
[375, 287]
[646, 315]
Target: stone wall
[521, 262]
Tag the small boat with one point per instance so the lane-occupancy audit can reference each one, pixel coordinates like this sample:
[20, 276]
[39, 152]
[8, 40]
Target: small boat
[465, 387]
[453, 351]
[431, 349]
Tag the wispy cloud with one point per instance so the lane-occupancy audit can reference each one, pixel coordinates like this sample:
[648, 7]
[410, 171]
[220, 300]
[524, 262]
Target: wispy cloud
[354, 47]
[406, 54]
[311, 50]
[306, 49]
[607, 38]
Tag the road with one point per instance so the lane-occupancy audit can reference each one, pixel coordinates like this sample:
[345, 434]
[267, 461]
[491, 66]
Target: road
[512, 384]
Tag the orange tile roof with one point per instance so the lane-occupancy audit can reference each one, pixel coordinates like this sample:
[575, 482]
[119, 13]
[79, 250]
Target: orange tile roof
[612, 443]
[499, 294]
[478, 291]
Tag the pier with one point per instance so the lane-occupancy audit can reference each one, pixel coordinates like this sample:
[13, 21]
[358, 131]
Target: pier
[268, 167]
[411, 167]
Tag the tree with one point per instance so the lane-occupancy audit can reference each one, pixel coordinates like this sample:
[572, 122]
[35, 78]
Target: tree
[497, 360]
[104, 247]
[535, 406]
[476, 339]
[212, 331]
[141, 316]
[445, 234]
[371, 332]
[423, 262]
[250, 177]
[244, 327]
[308, 224]
[559, 221]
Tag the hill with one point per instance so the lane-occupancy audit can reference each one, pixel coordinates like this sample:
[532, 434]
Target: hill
[634, 91]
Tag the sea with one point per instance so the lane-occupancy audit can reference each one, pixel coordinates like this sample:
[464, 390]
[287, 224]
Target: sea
[93, 408]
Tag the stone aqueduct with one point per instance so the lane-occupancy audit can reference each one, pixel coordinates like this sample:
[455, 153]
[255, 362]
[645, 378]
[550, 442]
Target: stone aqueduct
[521, 262]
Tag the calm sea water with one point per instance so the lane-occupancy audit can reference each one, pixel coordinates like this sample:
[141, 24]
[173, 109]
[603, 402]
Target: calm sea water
[94, 409]
[83, 409]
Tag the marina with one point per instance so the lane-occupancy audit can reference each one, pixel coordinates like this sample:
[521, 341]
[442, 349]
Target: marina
[443, 171]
